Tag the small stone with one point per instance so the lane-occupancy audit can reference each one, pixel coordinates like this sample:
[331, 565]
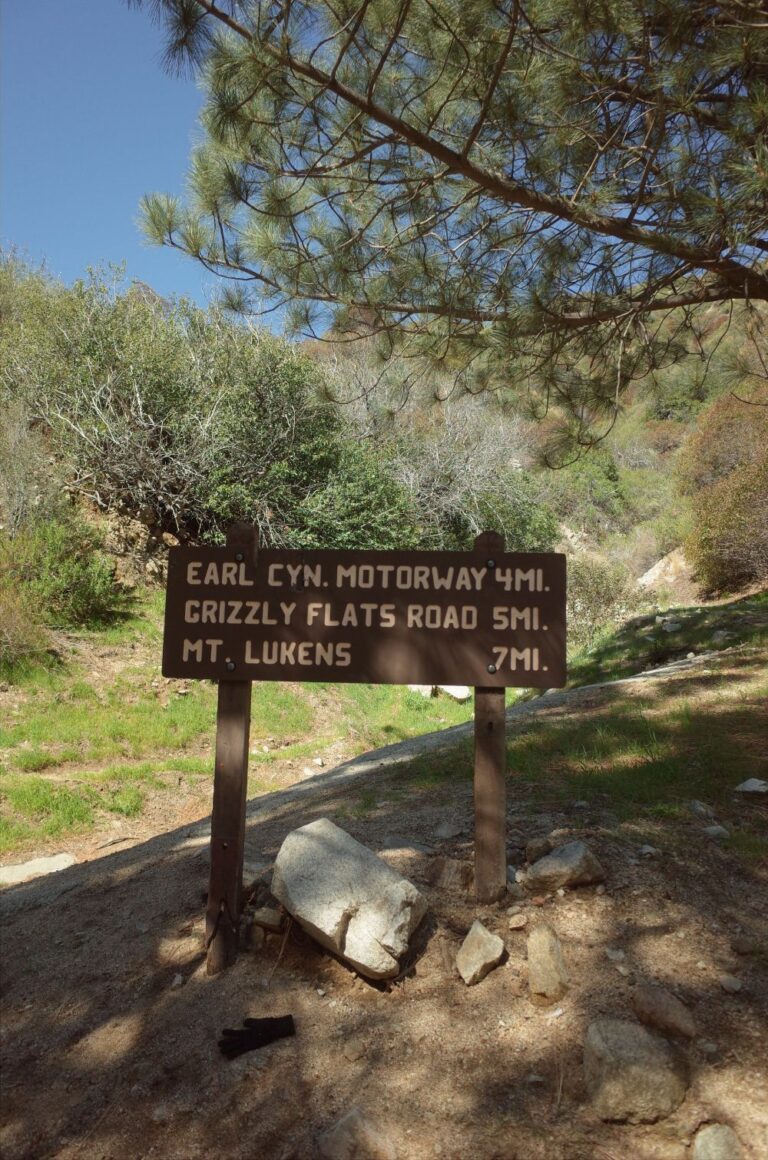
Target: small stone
[716, 832]
[268, 918]
[700, 809]
[449, 874]
[581, 805]
[354, 1048]
[660, 1008]
[600, 889]
[518, 921]
[571, 865]
[425, 691]
[178, 981]
[672, 626]
[630, 1074]
[318, 761]
[547, 974]
[615, 955]
[537, 848]
[708, 1048]
[534, 1079]
[744, 944]
[730, 984]
[447, 830]
[752, 785]
[716, 1142]
[480, 952]
[648, 852]
[355, 1137]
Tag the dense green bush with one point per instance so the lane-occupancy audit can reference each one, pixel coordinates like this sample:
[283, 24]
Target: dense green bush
[58, 570]
[723, 468]
[178, 415]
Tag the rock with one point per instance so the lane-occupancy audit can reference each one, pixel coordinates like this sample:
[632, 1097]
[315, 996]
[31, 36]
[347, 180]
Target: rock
[752, 785]
[721, 636]
[649, 851]
[571, 865]
[518, 921]
[404, 845]
[480, 952]
[355, 1137]
[744, 944]
[538, 848]
[423, 690]
[615, 955]
[730, 984]
[23, 871]
[448, 830]
[450, 874]
[716, 832]
[547, 974]
[347, 898]
[178, 981]
[631, 1074]
[671, 626]
[660, 1008]
[716, 1142]
[701, 810]
[268, 918]
[458, 692]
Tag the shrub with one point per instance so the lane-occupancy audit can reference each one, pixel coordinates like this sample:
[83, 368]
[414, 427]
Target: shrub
[723, 467]
[59, 571]
[600, 595]
[729, 544]
[22, 639]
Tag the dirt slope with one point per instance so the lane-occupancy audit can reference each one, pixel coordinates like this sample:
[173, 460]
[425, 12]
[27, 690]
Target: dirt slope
[110, 1023]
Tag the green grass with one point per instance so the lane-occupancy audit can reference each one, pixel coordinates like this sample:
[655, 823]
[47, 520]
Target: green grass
[643, 643]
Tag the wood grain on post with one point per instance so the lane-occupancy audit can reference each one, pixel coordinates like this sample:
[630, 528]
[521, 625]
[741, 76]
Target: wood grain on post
[230, 786]
[490, 774]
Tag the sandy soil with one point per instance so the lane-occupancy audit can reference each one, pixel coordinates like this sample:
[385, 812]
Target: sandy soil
[110, 1023]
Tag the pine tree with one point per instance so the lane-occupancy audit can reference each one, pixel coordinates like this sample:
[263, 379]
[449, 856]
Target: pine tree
[533, 193]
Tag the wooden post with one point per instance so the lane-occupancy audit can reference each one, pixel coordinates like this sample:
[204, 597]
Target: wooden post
[490, 795]
[230, 786]
[490, 774]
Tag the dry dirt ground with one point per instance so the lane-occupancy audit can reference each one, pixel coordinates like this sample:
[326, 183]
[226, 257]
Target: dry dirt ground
[110, 1023]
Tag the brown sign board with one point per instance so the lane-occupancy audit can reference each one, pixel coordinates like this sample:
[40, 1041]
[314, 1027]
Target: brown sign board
[366, 616]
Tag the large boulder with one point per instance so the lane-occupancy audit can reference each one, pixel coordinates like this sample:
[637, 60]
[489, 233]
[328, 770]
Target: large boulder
[631, 1074]
[347, 898]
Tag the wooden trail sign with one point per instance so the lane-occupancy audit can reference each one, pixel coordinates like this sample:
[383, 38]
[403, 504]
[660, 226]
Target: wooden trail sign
[486, 618]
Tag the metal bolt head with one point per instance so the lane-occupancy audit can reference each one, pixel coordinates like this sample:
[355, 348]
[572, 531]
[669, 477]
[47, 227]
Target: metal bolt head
[490, 563]
[239, 557]
[491, 668]
[230, 666]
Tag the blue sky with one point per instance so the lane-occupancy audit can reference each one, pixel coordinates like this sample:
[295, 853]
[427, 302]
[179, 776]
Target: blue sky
[88, 123]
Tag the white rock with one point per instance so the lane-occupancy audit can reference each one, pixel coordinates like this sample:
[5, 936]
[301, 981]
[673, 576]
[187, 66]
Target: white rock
[752, 785]
[571, 865]
[716, 832]
[23, 871]
[422, 690]
[458, 692]
[355, 1137]
[480, 952]
[631, 1074]
[347, 898]
[716, 1142]
[448, 830]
